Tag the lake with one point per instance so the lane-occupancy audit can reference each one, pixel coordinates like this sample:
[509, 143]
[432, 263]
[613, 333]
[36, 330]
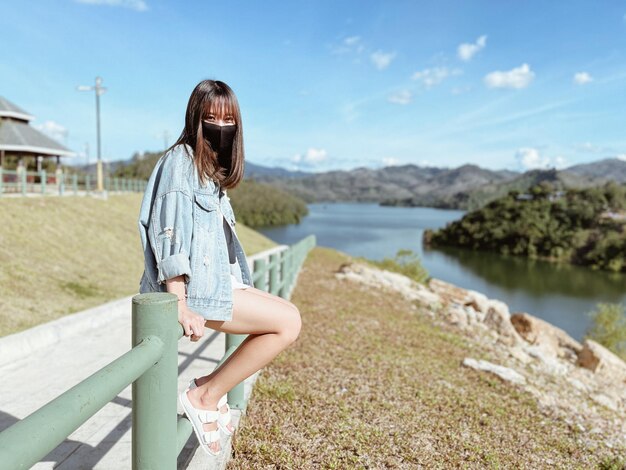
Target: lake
[559, 294]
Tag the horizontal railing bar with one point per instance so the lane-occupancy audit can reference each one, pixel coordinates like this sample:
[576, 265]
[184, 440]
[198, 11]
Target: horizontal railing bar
[29, 440]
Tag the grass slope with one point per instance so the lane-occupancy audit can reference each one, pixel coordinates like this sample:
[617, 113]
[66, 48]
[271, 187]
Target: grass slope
[372, 383]
[63, 255]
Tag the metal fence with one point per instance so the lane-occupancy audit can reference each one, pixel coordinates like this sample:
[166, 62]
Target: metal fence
[42, 182]
[158, 432]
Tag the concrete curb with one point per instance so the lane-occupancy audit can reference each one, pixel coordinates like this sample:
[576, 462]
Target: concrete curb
[19, 345]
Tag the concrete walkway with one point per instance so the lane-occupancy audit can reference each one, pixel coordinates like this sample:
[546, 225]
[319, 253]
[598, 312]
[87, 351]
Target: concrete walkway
[39, 364]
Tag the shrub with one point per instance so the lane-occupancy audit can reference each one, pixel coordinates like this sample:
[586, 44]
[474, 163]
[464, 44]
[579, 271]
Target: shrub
[405, 262]
[609, 327]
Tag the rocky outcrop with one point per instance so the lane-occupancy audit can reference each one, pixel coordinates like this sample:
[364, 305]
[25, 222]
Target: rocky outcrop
[579, 383]
[602, 362]
[549, 338]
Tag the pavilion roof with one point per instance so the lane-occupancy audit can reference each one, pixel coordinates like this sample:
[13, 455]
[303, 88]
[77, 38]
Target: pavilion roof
[19, 137]
[9, 110]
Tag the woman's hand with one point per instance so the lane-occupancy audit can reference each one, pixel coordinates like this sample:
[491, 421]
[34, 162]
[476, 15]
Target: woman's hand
[193, 323]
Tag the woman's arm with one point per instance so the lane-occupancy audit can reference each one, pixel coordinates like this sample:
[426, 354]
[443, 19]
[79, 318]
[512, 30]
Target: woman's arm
[192, 322]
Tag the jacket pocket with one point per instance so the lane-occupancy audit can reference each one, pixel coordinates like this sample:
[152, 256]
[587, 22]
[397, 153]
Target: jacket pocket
[206, 215]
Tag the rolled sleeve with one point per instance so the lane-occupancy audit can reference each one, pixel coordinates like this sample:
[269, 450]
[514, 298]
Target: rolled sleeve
[171, 225]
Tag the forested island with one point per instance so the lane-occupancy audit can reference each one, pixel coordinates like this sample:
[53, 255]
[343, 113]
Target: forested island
[581, 226]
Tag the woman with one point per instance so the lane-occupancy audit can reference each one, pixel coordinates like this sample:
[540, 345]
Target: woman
[191, 249]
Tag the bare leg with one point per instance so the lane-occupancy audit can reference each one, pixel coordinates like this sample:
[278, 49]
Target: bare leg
[272, 323]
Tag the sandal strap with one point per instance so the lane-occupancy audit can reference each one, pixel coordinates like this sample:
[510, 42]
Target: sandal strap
[211, 436]
[208, 416]
[222, 401]
[225, 418]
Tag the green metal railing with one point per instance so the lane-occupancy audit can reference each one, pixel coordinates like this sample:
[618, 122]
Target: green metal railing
[41, 182]
[158, 433]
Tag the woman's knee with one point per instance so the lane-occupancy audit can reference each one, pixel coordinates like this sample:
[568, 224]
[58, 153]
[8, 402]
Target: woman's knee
[291, 327]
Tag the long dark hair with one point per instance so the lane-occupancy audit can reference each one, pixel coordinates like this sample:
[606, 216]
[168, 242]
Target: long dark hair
[213, 96]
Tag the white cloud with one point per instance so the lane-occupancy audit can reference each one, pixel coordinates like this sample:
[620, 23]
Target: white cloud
[52, 129]
[434, 76]
[519, 77]
[312, 157]
[529, 158]
[621, 157]
[400, 97]
[391, 161]
[137, 5]
[560, 161]
[582, 78]
[466, 50]
[381, 60]
[349, 44]
[593, 148]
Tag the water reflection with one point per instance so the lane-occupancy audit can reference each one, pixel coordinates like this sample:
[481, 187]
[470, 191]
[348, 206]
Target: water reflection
[539, 278]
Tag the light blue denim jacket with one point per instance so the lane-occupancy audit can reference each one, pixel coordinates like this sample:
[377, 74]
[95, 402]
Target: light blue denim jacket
[182, 234]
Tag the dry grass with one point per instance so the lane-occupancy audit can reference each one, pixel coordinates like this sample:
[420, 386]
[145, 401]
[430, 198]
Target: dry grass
[372, 383]
[63, 255]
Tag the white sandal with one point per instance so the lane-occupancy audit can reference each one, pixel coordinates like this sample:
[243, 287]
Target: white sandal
[198, 417]
[225, 418]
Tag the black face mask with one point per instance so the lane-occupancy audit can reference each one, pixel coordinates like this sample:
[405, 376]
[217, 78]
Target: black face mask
[221, 140]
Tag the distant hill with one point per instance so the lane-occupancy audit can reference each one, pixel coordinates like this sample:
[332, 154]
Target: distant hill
[466, 187]
[393, 185]
[608, 169]
[253, 170]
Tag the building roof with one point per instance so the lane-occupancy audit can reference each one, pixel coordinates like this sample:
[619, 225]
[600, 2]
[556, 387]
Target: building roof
[9, 110]
[17, 136]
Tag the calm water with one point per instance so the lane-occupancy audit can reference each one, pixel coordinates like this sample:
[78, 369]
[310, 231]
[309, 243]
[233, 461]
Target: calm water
[559, 294]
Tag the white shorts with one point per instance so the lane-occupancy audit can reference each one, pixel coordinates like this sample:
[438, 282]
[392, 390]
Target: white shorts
[236, 284]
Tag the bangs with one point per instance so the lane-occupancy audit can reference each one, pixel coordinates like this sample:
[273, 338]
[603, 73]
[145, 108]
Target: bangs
[220, 105]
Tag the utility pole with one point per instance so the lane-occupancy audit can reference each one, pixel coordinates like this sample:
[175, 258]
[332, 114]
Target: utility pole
[99, 89]
[166, 135]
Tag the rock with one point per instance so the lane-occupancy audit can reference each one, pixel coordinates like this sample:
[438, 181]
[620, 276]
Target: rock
[455, 315]
[604, 401]
[498, 319]
[472, 317]
[478, 301]
[519, 354]
[504, 373]
[553, 340]
[549, 363]
[448, 292]
[376, 277]
[602, 362]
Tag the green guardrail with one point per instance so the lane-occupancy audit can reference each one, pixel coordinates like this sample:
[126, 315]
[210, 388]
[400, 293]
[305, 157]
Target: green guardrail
[24, 182]
[151, 366]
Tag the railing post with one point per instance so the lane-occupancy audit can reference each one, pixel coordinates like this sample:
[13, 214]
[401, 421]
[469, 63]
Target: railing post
[42, 180]
[236, 398]
[75, 183]
[154, 418]
[274, 263]
[60, 176]
[284, 274]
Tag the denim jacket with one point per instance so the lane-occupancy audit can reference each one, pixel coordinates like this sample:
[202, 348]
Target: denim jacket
[182, 233]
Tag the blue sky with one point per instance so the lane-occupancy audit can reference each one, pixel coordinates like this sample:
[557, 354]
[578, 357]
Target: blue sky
[329, 85]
